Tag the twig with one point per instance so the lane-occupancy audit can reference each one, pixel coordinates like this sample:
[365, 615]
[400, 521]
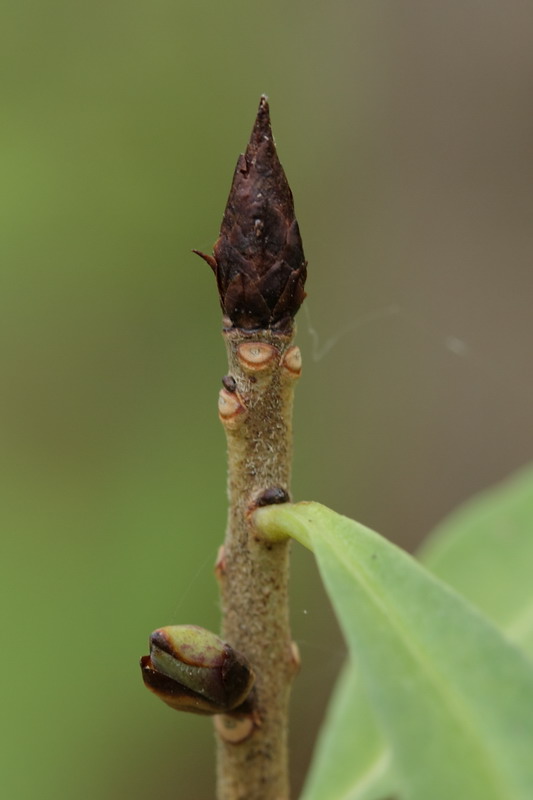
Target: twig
[260, 269]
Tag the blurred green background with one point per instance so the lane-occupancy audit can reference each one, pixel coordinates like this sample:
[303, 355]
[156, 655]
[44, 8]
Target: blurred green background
[405, 130]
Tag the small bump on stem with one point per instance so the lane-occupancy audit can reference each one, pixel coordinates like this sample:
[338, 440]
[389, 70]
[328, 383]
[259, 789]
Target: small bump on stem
[292, 362]
[220, 563]
[296, 659]
[272, 496]
[256, 356]
[230, 408]
[229, 383]
[236, 728]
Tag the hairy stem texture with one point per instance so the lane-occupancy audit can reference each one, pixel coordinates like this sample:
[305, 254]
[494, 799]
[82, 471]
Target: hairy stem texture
[255, 407]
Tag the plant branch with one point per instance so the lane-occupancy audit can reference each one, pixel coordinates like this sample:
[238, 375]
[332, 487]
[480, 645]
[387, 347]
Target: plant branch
[254, 574]
[260, 270]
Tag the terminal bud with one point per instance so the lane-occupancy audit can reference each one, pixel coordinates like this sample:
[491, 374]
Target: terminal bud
[258, 259]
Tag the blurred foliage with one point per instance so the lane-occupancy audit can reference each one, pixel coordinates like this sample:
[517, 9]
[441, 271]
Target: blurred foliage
[121, 126]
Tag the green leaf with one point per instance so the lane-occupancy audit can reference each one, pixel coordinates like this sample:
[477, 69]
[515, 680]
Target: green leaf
[454, 697]
[351, 760]
[485, 551]
[486, 543]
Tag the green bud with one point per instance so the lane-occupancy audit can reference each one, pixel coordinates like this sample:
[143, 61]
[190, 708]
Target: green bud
[191, 669]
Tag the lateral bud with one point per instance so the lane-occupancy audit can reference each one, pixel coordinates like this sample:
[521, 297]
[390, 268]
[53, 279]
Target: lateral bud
[191, 669]
[230, 408]
[292, 362]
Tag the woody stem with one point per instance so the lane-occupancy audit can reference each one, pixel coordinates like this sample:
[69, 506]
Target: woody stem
[256, 410]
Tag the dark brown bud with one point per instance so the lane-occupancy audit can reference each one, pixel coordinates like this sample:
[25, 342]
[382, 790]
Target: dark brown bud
[272, 497]
[258, 258]
[229, 383]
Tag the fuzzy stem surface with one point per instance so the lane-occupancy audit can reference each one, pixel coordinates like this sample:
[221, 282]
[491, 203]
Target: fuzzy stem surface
[256, 411]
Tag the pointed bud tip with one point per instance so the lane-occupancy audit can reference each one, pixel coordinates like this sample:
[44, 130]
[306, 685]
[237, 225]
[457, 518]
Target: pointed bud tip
[262, 129]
